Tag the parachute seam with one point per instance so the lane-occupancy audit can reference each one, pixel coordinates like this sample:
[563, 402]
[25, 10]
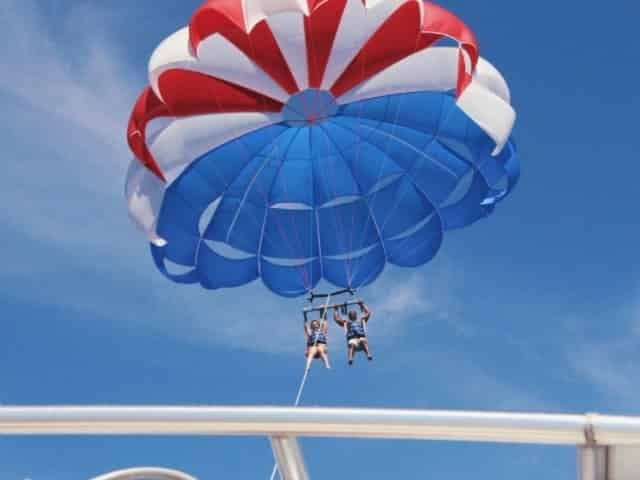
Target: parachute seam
[371, 217]
[442, 166]
[405, 254]
[473, 166]
[282, 156]
[338, 224]
[359, 141]
[405, 173]
[198, 211]
[418, 151]
[268, 159]
[368, 201]
[275, 179]
[435, 136]
[259, 252]
[436, 210]
[250, 156]
[193, 167]
[317, 216]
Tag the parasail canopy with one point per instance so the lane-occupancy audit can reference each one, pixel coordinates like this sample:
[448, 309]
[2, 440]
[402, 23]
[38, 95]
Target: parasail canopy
[300, 140]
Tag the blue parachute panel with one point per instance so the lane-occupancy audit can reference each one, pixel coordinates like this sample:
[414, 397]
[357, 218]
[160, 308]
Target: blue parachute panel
[158, 255]
[470, 208]
[290, 234]
[332, 176]
[290, 281]
[367, 163]
[216, 271]
[333, 193]
[398, 207]
[221, 166]
[178, 214]
[346, 228]
[417, 248]
[237, 223]
[294, 181]
[360, 271]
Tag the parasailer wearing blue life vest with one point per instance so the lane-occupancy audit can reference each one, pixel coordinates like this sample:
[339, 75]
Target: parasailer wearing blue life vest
[317, 341]
[355, 329]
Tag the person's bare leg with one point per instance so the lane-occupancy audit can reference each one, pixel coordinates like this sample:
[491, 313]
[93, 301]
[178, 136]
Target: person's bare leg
[325, 358]
[310, 357]
[365, 346]
[352, 349]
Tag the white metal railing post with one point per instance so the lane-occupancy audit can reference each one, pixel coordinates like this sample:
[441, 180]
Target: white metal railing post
[289, 459]
[593, 463]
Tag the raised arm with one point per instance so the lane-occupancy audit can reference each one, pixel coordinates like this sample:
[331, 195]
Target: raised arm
[336, 316]
[307, 330]
[366, 313]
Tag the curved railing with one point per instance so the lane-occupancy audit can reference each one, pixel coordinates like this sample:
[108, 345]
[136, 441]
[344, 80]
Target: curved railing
[145, 473]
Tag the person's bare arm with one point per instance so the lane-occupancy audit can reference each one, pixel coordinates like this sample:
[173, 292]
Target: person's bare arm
[366, 313]
[336, 317]
[307, 330]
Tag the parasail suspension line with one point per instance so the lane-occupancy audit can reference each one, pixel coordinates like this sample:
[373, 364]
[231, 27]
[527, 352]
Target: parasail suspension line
[305, 376]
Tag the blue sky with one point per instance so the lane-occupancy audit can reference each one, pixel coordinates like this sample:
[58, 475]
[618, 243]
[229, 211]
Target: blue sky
[537, 308]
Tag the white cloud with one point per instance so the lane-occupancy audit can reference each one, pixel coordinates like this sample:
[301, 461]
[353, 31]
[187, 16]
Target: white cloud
[407, 297]
[611, 367]
[75, 75]
[430, 293]
[610, 364]
[450, 371]
[67, 96]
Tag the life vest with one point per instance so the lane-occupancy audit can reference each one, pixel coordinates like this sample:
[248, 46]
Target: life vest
[317, 337]
[355, 329]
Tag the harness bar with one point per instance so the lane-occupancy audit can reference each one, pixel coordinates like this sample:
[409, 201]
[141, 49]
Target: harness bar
[313, 296]
[333, 305]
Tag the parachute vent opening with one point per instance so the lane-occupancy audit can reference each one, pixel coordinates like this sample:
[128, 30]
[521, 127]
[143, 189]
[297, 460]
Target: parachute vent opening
[353, 255]
[415, 229]
[291, 206]
[385, 182]
[289, 262]
[308, 107]
[227, 251]
[336, 202]
[174, 268]
[207, 216]
[461, 189]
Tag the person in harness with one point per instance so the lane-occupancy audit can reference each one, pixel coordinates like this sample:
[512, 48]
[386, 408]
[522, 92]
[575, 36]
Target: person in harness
[316, 336]
[355, 329]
